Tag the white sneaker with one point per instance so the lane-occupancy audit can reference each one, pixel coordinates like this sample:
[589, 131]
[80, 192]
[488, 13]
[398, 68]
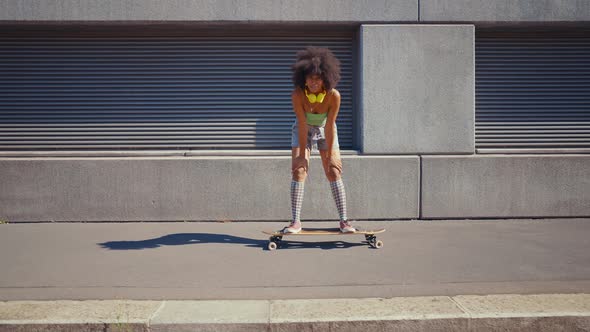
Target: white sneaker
[345, 227]
[294, 227]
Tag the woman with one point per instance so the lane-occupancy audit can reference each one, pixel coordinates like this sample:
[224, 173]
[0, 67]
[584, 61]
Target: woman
[316, 103]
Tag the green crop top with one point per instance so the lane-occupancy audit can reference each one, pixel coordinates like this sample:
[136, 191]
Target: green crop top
[316, 119]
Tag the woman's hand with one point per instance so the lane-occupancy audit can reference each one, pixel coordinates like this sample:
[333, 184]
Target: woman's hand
[334, 161]
[299, 162]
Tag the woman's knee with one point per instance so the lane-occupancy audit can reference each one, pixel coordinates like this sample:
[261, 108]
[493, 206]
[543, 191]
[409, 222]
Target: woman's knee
[333, 173]
[299, 174]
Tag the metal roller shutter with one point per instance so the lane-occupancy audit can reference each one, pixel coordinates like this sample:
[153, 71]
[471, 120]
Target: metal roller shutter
[532, 91]
[64, 93]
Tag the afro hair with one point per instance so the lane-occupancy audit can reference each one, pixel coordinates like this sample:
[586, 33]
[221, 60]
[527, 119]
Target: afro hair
[316, 61]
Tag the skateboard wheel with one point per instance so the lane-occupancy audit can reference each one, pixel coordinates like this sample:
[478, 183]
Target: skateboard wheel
[379, 244]
[272, 246]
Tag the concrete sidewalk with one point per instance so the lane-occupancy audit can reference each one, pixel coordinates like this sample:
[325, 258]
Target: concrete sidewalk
[553, 312]
[426, 268]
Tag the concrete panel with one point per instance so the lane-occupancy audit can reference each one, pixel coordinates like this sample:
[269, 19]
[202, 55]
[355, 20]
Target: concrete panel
[417, 88]
[505, 10]
[209, 10]
[199, 188]
[505, 186]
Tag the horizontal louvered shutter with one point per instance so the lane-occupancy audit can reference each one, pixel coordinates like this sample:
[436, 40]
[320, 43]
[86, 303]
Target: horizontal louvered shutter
[96, 93]
[532, 90]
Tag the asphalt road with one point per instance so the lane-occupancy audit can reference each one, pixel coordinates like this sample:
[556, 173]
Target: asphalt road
[54, 261]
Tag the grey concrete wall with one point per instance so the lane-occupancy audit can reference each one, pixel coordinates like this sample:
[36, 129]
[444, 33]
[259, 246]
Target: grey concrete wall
[209, 10]
[504, 10]
[416, 96]
[417, 89]
[257, 188]
[199, 188]
[505, 186]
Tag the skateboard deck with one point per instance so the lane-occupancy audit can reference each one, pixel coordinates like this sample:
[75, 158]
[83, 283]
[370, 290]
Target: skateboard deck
[276, 237]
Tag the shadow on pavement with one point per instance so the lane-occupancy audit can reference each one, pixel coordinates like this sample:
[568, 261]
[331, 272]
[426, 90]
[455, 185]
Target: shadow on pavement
[181, 239]
[200, 238]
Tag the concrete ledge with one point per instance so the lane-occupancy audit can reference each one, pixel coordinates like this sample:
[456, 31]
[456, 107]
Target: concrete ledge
[200, 188]
[209, 10]
[505, 10]
[543, 312]
[505, 186]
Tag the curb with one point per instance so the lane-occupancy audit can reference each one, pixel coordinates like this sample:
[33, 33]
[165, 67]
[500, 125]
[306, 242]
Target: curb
[539, 312]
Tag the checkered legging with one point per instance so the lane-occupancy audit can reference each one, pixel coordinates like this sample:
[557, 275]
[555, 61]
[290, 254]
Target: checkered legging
[339, 197]
[296, 199]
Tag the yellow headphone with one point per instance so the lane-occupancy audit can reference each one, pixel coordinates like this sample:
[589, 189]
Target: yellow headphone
[313, 98]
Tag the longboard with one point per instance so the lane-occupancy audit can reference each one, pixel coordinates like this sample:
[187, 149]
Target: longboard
[276, 237]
